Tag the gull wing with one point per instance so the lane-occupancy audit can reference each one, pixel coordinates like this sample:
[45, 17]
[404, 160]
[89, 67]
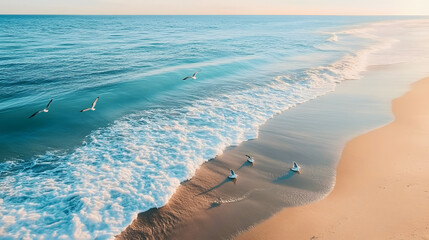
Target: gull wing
[34, 114]
[47, 106]
[195, 73]
[95, 102]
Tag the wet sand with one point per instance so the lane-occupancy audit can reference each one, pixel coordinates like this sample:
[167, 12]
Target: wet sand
[210, 206]
[382, 189]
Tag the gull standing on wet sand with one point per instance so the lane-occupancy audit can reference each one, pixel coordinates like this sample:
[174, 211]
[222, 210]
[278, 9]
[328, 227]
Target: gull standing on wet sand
[295, 167]
[43, 110]
[233, 175]
[250, 159]
[92, 107]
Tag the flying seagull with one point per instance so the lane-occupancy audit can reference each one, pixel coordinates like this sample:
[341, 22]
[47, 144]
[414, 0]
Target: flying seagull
[92, 107]
[43, 110]
[193, 76]
[250, 159]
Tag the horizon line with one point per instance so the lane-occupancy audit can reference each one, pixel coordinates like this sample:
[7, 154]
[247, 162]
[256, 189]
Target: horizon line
[113, 14]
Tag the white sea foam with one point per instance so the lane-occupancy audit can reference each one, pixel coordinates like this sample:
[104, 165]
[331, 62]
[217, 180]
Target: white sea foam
[333, 38]
[139, 161]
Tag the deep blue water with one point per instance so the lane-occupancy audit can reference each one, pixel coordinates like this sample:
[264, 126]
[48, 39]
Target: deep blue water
[65, 172]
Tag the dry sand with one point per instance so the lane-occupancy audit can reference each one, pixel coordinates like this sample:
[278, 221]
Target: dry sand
[382, 186]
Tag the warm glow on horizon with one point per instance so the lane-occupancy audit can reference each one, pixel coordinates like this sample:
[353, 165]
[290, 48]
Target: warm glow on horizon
[206, 7]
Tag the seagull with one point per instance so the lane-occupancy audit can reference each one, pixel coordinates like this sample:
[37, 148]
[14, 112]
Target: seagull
[43, 110]
[193, 76]
[233, 175]
[250, 159]
[92, 107]
[295, 167]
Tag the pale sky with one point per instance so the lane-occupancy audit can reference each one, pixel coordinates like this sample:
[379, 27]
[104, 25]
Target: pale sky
[202, 7]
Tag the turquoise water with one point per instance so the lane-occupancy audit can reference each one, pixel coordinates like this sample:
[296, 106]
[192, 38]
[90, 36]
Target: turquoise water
[134, 63]
[67, 174]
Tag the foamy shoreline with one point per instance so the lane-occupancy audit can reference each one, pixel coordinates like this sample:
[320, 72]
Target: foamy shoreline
[313, 131]
[303, 144]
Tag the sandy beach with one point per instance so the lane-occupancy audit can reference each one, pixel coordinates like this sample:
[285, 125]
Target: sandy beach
[381, 190]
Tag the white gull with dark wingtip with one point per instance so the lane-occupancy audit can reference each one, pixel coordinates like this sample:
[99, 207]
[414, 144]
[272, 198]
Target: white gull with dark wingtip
[43, 110]
[92, 107]
[296, 167]
[233, 175]
[194, 76]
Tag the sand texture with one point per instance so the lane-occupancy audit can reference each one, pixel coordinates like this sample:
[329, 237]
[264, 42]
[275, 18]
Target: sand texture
[382, 185]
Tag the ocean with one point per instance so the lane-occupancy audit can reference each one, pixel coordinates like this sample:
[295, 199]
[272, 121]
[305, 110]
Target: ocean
[71, 175]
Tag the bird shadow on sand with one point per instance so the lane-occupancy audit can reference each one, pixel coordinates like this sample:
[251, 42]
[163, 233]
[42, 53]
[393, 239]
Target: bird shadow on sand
[246, 163]
[288, 175]
[219, 185]
[215, 204]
